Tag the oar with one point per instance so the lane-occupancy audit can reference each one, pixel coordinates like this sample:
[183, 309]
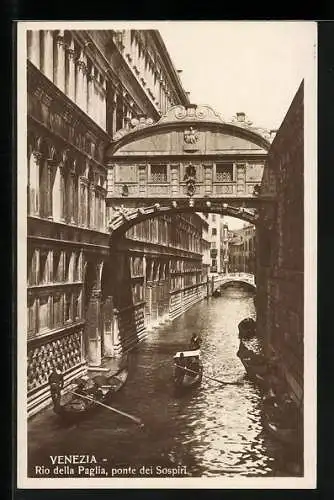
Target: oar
[207, 376]
[135, 419]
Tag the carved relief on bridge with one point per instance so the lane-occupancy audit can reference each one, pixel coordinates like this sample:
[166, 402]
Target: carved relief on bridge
[122, 217]
[166, 179]
[152, 161]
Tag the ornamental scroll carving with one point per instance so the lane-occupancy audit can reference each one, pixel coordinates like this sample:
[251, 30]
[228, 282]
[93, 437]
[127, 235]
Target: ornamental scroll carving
[191, 113]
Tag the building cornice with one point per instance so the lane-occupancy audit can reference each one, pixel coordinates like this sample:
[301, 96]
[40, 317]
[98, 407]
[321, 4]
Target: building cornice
[36, 79]
[170, 68]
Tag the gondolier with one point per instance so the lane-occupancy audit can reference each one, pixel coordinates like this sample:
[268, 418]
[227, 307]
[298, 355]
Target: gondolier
[87, 394]
[190, 364]
[195, 342]
[56, 382]
[179, 368]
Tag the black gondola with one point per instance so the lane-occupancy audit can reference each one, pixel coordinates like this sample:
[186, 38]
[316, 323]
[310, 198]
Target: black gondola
[286, 434]
[247, 328]
[255, 364]
[87, 393]
[188, 370]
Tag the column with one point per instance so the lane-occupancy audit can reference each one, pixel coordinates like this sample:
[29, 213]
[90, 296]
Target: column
[103, 210]
[108, 319]
[70, 87]
[93, 328]
[99, 104]
[56, 196]
[33, 182]
[62, 192]
[34, 49]
[48, 54]
[86, 198]
[104, 105]
[91, 206]
[73, 179]
[90, 93]
[95, 97]
[59, 61]
[114, 112]
[80, 96]
[84, 84]
[49, 204]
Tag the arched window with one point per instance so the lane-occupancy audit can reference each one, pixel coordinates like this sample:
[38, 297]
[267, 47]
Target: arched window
[57, 202]
[33, 183]
[43, 185]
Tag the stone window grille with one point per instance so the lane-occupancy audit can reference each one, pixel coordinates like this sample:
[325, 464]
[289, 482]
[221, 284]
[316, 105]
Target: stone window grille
[224, 172]
[158, 174]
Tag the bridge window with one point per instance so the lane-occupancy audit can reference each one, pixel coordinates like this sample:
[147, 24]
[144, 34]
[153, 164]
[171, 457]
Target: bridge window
[158, 174]
[224, 172]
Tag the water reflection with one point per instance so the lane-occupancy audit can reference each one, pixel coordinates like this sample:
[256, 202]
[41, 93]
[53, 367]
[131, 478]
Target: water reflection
[215, 430]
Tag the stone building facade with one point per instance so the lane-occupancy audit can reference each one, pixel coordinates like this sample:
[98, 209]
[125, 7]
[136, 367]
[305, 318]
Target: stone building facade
[215, 242]
[109, 125]
[82, 87]
[159, 274]
[280, 258]
[241, 250]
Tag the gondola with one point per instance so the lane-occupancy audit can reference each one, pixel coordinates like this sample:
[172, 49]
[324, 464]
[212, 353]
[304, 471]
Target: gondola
[188, 370]
[255, 364]
[217, 293]
[87, 392]
[286, 435]
[255, 371]
[247, 328]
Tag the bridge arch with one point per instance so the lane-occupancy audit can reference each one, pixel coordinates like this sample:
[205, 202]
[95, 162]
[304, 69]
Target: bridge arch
[189, 154]
[125, 217]
[227, 279]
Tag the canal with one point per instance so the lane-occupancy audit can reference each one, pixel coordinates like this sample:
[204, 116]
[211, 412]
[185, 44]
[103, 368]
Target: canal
[214, 431]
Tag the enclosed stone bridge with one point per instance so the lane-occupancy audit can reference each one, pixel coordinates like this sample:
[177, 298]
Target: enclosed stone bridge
[225, 279]
[190, 160]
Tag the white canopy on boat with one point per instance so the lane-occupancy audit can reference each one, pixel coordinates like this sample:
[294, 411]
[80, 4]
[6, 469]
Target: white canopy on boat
[188, 354]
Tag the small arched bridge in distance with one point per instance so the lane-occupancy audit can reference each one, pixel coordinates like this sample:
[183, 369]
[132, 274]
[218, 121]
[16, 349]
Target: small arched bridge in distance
[225, 279]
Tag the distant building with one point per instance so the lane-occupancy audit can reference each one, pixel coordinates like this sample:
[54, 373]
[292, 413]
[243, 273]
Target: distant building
[215, 228]
[241, 249]
[224, 245]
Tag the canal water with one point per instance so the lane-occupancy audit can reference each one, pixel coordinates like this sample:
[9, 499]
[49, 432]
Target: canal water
[214, 430]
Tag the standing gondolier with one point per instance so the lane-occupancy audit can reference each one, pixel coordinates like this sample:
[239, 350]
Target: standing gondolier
[179, 368]
[195, 342]
[56, 382]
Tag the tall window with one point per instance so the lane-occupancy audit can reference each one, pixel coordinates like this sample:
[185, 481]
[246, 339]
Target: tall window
[43, 184]
[224, 172]
[33, 185]
[57, 201]
[32, 266]
[68, 307]
[159, 174]
[58, 267]
[44, 267]
[43, 312]
[57, 310]
[31, 316]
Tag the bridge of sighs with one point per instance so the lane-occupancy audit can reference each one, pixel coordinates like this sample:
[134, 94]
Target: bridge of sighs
[190, 160]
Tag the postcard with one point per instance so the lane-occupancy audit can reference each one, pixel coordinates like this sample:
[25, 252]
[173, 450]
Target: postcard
[167, 185]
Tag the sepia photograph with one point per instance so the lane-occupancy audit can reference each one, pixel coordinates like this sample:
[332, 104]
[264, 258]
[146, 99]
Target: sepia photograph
[167, 194]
